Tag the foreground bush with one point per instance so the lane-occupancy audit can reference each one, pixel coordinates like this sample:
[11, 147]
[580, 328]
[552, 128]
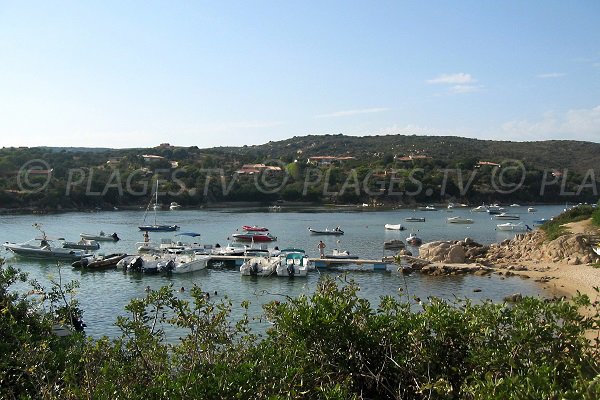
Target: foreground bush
[331, 345]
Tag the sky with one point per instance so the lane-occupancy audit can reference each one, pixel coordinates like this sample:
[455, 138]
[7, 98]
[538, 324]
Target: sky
[229, 73]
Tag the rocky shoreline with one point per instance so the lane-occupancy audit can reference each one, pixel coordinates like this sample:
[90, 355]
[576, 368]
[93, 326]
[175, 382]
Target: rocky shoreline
[564, 266]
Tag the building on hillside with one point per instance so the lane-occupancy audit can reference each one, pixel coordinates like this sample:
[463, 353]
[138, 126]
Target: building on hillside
[327, 160]
[249, 169]
[151, 157]
[412, 157]
[488, 163]
[113, 161]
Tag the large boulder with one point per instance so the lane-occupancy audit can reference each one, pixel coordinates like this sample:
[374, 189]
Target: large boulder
[448, 252]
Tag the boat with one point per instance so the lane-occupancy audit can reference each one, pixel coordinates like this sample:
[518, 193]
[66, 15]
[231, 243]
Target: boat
[100, 262]
[414, 240]
[394, 227]
[495, 209]
[174, 206]
[541, 221]
[479, 209]
[451, 205]
[254, 228]
[184, 263]
[505, 216]
[326, 231]
[101, 237]
[511, 226]
[44, 250]
[414, 219]
[427, 208]
[341, 255]
[293, 262]
[260, 266]
[274, 208]
[176, 246]
[83, 244]
[531, 209]
[255, 236]
[459, 220]
[156, 227]
[515, 205]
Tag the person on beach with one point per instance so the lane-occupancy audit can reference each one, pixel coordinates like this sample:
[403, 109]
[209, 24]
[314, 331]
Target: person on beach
[321, 247]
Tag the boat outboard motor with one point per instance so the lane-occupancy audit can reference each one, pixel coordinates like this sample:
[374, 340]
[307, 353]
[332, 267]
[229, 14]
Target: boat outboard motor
[135, 264]
[290, 270]
[254, 269]
[166, 266]
[115, 237]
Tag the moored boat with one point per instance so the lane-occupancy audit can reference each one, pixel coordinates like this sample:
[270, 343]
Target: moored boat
[100, 262]
[254, 228]
[459, 220]
[394, 227]
[174, 206]
[260, 266]
[341, 255]
[293, 262]
[531, 209]
[101, 237]
[326, 231]
[83, 244]
[255, 236]
[479, 209]
[414, 219]
[510, 226]
[45, 251]
[505, 216]
[414, 240]
[427, 208]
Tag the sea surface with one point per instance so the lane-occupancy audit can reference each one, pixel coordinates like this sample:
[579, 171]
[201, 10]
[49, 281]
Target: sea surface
[104, 294]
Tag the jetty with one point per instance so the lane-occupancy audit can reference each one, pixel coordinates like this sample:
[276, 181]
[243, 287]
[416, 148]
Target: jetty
[377, 265]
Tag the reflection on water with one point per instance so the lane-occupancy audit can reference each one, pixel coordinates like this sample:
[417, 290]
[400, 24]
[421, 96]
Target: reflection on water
[104, 294]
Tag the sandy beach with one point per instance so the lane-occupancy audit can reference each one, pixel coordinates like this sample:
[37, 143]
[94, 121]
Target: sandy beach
[562, 279]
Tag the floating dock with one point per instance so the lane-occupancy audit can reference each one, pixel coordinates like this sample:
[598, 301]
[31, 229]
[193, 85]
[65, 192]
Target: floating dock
[378, 265]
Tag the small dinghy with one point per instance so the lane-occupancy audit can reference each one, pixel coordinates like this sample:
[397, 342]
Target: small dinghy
[326, 231]
[341, 255]
[394, 227]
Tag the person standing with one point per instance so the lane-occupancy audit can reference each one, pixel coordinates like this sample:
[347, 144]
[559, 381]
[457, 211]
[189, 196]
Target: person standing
[321, 247]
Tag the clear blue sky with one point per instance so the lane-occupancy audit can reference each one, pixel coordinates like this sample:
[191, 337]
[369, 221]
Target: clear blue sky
[209, 73]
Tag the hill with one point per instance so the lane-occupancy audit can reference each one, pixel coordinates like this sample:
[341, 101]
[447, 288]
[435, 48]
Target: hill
[550, 154]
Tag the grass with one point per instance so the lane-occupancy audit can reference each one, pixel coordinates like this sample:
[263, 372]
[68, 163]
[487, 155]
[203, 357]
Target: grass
[555, 228]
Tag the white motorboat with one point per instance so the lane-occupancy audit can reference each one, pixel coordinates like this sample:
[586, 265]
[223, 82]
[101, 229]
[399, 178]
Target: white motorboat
[479, 209]
[176, 246]
[505, 216]
[83, 244]
[515, 205]
[394, 227]
[495, 209]
[101, 237]
[44, 251]
[414, 240]
[293, 262]
[427, 208]
[326, 231]
[174, 206]
[260, 266]
[511, 226]
[183, 263]
[459, 220]
[341, 255]
[531, 209]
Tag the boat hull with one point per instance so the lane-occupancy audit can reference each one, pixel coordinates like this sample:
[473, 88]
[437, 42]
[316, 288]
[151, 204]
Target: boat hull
[158, 228]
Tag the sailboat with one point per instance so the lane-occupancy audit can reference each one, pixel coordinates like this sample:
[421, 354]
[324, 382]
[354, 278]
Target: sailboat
[155, 227]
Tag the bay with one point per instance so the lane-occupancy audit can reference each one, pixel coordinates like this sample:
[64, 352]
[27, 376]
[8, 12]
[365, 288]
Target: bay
[104, 294]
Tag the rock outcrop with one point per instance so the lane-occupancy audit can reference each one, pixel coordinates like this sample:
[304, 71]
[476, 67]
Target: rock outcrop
[570, 248]
[452, 252]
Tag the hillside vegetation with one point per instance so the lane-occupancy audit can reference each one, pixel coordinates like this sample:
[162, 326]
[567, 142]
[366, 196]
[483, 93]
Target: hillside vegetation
[384, 170]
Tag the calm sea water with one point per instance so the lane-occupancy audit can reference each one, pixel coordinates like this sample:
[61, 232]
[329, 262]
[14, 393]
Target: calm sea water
[104, 294]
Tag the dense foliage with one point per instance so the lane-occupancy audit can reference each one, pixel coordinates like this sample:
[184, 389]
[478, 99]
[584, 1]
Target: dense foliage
[330, 345]
[378, 172]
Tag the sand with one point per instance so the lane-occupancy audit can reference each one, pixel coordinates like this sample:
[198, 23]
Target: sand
[567, 280]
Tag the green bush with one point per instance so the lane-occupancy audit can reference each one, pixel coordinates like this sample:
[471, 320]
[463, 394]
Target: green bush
[330, 345]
